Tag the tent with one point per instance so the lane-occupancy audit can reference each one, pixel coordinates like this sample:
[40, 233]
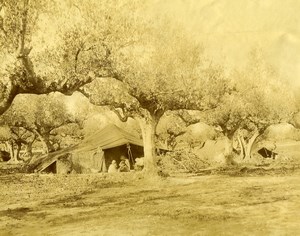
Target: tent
[266, 153]
[95, 152]
[266, 149]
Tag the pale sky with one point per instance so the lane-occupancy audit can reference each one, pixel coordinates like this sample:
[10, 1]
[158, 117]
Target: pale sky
[230, 28]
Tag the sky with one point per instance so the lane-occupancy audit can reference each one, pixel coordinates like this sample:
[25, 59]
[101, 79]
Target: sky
[229, 29]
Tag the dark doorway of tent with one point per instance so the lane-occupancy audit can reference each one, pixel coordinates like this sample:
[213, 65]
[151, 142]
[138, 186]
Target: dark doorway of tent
[130, 151]
[59, 165]
[266, 153]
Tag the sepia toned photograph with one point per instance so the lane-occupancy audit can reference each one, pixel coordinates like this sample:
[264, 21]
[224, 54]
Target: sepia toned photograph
[149, 117]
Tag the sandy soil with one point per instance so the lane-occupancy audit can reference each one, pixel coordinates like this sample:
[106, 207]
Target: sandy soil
[127, 205]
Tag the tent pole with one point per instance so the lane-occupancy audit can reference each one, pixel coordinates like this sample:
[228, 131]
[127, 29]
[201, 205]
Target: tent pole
[130, 154]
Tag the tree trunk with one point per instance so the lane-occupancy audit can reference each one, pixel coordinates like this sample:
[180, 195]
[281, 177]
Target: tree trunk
[250, 145]
[29, 149]
[45, 139]
[10, 147]
[242, 153]
[148, 127]
[229, 147]
[17, 153]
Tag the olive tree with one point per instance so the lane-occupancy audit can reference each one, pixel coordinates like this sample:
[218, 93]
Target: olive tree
[162, 71]
[259, 97]
[46, 45]
[44, 118]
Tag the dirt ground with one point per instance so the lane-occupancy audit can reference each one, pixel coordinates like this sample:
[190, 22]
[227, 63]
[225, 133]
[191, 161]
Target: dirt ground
[125, 204]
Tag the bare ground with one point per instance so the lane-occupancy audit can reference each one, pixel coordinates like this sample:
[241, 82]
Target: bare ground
[125, 204]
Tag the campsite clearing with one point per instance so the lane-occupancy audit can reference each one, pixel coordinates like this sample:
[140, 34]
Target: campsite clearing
[124, 204]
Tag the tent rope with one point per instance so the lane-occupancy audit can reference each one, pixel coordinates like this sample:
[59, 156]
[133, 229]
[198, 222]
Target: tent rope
[130, 153]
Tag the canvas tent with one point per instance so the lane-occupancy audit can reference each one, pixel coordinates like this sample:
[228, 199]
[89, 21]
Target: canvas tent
[96, 151]
[266, 153]
[265, 148]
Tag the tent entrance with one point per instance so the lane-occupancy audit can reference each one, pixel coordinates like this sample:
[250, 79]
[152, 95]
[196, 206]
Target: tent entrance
[266, 153]
[50, 169]
[129, 151]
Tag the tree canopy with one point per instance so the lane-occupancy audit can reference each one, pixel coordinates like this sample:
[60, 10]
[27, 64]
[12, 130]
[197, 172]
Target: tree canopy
[39, 118]
[259, 97]
[140, 65]
[162, 71]
[50, 45]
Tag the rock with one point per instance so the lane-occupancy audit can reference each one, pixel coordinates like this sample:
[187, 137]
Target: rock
[296, 120]
[282, 131]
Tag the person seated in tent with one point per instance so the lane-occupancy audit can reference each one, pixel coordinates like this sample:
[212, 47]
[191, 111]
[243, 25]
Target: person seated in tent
[124, 165]
[139, 164]
[113, 167]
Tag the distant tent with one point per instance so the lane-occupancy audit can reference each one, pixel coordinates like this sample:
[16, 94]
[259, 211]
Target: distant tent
[266, 153]
[267, 149]
[97, 151]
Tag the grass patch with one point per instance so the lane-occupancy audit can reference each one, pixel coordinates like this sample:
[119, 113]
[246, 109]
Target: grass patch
[17, 213]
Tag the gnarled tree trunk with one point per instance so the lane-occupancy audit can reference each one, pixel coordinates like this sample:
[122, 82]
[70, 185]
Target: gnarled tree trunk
[249, 145]
[10, 148]
[45, 140]
[29, 149]
[148, 127]
[246, 147]
[17, 151]
[242, 147]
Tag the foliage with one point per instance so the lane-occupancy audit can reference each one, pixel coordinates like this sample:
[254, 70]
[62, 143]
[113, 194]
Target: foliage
[47, 45]
[43, 117]
[160, 72]
[259, 98]
[5, 133]
[170, 127]
[103, 41]
[128, 63]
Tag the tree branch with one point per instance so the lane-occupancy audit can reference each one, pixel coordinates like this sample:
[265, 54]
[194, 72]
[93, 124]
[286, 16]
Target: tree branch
[79, 50]
[187, 118]
[76, 59]
[23, 29]
[120, 115]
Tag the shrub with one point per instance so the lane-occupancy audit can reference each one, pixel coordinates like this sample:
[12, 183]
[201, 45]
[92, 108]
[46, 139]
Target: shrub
[182, 161]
